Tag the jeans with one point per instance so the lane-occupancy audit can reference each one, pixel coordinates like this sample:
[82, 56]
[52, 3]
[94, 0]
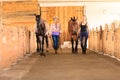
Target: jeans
[55, 41]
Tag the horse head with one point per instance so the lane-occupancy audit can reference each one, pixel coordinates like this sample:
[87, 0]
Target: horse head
[37, 18]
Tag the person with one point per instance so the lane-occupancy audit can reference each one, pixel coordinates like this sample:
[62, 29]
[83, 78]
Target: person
[47, 35]
[55, 31]
[84, 34]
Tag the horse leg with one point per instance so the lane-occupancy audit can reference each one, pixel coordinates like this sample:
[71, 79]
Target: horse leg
[76, 46]
[42, 41]
[41, 45]
[72, 41]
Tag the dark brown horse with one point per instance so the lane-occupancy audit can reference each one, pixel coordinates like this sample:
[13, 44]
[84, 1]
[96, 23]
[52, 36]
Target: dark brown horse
[40, 34]
[73, 32]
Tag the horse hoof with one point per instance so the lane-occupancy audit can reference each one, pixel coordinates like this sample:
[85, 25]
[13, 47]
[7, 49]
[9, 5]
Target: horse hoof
[40, 54]
[73, 52]
[37, 50]
[56, 52]
[83, 52]
[44, 55]
[77, 52]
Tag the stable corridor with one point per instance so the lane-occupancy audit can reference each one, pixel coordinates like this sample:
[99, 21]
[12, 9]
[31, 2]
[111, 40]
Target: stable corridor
[20, 61]
[64, 66]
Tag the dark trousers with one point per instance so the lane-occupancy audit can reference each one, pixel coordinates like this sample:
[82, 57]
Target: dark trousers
[55, 41]
[83, 39]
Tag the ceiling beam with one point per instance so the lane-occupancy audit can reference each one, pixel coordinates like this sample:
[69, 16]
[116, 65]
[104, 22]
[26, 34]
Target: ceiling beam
[56, 1]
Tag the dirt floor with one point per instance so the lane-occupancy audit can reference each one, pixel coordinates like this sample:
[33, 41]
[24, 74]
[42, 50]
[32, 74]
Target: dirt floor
[64, 66]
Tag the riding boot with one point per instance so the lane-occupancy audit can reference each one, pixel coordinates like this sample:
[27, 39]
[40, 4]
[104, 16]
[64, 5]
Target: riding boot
[84, 50]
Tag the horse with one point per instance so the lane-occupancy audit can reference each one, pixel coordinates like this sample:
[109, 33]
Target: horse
[73, 32]
[40, 33]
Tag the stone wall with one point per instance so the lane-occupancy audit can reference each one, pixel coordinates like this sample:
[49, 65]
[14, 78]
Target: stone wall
[107, 40]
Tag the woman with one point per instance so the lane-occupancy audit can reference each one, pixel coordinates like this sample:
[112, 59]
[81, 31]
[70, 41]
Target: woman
[84, 34]
[55, 29]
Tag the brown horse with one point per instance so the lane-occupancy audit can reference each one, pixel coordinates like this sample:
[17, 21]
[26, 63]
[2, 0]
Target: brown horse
[73, 30]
